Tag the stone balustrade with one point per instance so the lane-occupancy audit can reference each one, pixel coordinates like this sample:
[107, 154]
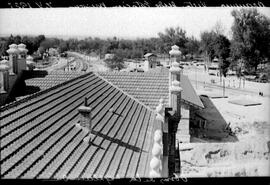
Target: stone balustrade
[156, 168]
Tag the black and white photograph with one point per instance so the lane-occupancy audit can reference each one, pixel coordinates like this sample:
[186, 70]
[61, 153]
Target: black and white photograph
[134, 92]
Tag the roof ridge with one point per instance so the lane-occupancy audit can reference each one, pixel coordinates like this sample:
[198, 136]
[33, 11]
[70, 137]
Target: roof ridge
[17, 102]
[135, 99]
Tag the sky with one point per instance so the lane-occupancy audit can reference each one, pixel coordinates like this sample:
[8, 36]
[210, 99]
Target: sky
[138, 22]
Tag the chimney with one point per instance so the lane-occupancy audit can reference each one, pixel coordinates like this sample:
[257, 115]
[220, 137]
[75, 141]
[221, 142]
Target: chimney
[22, 57]
[13, 56]
[4, 76]
[85, 122]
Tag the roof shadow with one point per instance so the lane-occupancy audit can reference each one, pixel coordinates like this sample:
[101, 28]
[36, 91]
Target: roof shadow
[216, 128]
[31, 90]
[35, 74]
[93, 144]
[119, 142]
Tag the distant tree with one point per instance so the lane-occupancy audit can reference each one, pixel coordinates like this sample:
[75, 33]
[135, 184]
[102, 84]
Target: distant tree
[37, 40]
[219, 28]
[5, 42]
[192, 46]
[17, 39]
[10, 40]
[136, 53]
[29, 42]
[207, 44]
[3, 48]
[222, 50]
[116, 62]
[171, 37]
[113, 44]
[46, 44]
[251, 37]
[40, 38]
[41, 50]
[63, 46]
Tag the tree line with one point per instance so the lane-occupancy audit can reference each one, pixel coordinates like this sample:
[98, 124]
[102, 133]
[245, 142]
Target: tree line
[248, 47]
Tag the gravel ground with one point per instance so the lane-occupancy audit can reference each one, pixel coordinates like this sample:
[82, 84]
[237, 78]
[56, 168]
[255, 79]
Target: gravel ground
[248, 156]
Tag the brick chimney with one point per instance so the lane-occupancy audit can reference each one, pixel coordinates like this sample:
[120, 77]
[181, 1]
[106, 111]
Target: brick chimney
[85, 122]
[4, 76]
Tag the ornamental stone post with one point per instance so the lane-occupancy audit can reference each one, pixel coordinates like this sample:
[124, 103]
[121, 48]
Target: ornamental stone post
[4, 74]
[174, 81]
[22, 57]
[13, 56]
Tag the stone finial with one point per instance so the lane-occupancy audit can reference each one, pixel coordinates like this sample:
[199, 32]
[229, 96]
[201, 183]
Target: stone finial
[155, 164]
[157, 152]
[160, 106]
[22, 48]
[154, 174]
[175, 68]
[160, 110]
[175, 87]
[13, 45]
[13, 49]
[161, 101]
[175, 51]
[5, 62]
[158, 136]
[4, 67]
[21, 45]
[30, 58]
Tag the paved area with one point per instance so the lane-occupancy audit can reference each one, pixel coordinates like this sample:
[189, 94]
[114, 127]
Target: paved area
[200, 77]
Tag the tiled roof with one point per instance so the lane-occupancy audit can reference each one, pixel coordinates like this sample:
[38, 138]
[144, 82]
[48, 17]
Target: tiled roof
[39, 138]
[150, 87]
[50, 79]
